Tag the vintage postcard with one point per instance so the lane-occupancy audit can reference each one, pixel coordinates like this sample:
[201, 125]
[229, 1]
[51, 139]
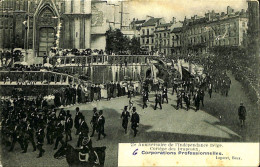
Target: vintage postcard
[129, 83]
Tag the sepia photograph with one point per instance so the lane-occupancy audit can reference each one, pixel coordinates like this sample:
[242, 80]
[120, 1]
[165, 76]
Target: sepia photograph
[79, 77]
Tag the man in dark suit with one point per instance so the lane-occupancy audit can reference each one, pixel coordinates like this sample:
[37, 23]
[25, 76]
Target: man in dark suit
[68, 126]
[17, 136]
[93, 121]
[101, 125]
[145, 98]
[79, 90]
[164, 95]
[29, 136]
[201, 95]
[187, 100]
[179, 99]
[83, 129]
[76, 120]
[40, 140]
[158, 100]
[242, 114]
[135, 121]
[124, 116]
[59, 133]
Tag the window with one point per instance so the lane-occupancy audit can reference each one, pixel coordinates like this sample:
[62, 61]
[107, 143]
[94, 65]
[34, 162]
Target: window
[152, 40]
[164, 34]
[143, 32]
[147, 41]
[143, 41]
[147, 31]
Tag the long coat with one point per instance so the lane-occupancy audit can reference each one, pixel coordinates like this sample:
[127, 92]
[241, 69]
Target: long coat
[125, 115]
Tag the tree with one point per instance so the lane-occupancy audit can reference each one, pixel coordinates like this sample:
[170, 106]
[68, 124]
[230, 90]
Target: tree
[116, 42]
[135, 46]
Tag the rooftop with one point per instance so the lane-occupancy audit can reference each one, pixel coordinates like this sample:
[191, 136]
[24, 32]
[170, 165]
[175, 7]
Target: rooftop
[151, 22]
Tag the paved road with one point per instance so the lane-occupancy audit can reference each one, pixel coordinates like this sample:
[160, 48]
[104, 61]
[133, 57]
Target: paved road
[217, 121]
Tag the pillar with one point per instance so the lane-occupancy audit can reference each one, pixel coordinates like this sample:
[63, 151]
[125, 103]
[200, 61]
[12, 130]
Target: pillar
[77, 32]
[87, 32]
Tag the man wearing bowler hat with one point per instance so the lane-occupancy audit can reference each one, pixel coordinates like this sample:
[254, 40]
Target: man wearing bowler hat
[125, 115]
[135, 121]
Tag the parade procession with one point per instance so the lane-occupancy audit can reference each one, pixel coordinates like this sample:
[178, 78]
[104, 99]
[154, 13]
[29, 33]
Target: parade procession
[78, 77]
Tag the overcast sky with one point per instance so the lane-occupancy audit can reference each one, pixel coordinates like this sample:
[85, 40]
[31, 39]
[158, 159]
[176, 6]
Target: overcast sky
[180, 8]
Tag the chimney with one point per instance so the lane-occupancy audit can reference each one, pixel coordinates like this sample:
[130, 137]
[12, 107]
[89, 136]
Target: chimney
[207, 15]
[173, 20]
[229, 10]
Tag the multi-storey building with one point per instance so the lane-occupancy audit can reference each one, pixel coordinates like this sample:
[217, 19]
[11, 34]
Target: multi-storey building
[163, 36]
[176, 35]
[136, 25]
[253, 26]
[215, 29]
[147, 39]
[41, 24]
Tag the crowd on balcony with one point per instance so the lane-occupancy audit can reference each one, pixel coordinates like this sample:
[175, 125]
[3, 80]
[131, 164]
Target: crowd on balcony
[75, 52]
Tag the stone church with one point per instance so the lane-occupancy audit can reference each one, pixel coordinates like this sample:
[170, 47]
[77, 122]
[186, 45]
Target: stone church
[39, 25]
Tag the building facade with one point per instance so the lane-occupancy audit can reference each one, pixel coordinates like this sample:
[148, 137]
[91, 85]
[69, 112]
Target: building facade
[41, 24]
[163, 37]
[176, 35]
[215, 29]
[136, 26]
[253, 26]
[147, 39]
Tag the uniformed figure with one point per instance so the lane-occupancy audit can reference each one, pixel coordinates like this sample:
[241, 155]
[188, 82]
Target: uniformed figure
[124, 116]
[135, 121]
[40, 140]
[174, 87]
[101, 125]
[62, 114]
[164, 95]
[179, 99]
[158, 100]
[242, 114]
[76, 120]
[51, 127]
[59, 133]
[93, 121]
[145, 98]
[187, 100]
[17, 135]
[68, 126]
[201, 95]
[29, 137]
[83, 129]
